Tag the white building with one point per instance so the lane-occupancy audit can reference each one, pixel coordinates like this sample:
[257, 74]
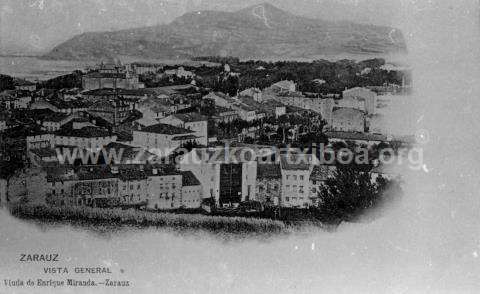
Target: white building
[90, 138]
[162, 139]
[296, 170]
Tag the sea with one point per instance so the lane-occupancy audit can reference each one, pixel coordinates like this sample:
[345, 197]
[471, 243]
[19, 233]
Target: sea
[34, 68]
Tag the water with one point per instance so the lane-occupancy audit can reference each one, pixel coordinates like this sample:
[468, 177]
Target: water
[32, 68]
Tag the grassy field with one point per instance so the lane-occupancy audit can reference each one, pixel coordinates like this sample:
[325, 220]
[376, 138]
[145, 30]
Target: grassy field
[215, 224]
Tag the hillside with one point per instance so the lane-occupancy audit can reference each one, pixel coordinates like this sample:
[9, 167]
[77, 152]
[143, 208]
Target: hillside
[260, 31]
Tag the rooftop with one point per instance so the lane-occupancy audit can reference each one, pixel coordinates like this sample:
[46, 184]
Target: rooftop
[189, 179]
[356, 136]
[269, 171]
[105, 75]
[86, 132]
[190, 117]
[165, 129]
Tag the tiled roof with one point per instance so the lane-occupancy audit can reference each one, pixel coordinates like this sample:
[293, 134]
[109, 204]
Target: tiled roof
[55, 117]
[189, 179]
[86, 132]
[106, 75]
[190, 117]
[296, 161]
[356, 136]
[119, 92]
[165, 129]
[186, 137]
[97, 172]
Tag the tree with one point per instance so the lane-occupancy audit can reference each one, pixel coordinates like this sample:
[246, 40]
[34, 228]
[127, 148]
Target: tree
[351, 191]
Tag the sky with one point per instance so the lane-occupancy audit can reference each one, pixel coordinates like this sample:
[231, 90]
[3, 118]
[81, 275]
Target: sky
[38, 25]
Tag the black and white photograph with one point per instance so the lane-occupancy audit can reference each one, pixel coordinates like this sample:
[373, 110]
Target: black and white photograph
[239, 146]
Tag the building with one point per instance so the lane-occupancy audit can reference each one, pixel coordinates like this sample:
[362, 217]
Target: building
[91, 138]
[98, 80]
[191, 121]
[268, 183]
[144, 67]
[25, 85]
[3, 191]
[60, 106]
[226, 175]
[320, 174]
[27, 185]
[225, 115]
[296, 170]
[359, 138]
[221, 99]
[164, 189]
[348, 120]
[253, 93]
[113, 111]
[162, 139]
[191, 191]
[364, 95]
[55, 121]
[151, 186]
[180, 73]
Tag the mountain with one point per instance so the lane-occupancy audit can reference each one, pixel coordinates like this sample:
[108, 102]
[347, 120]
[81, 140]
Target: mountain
[259, 31]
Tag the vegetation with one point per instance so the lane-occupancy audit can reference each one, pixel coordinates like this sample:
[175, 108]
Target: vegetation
[232, 225]
[73, 80]
[351, 193]
[336, 75]
[6, 83]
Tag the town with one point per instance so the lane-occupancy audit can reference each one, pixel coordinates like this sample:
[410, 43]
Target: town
[213, 135]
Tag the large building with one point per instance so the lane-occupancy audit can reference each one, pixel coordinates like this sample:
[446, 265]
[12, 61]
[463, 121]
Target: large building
[348, 120]
[151, 186]
[191, 121]
[162, 139]
[91, 138]
[363, 95]
[296, 170]
[114, 112]
[114, 80]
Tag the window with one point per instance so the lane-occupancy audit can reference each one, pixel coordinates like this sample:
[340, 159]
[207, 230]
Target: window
[301, 178]
[287, 199]
[288, 177]
[295, 177]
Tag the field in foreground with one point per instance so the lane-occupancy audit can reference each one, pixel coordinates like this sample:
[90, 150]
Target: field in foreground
[215, 224]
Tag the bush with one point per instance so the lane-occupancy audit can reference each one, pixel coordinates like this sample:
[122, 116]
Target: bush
[232, 225]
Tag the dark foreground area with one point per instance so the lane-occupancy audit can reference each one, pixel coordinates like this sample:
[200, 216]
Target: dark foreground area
[115, 216]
